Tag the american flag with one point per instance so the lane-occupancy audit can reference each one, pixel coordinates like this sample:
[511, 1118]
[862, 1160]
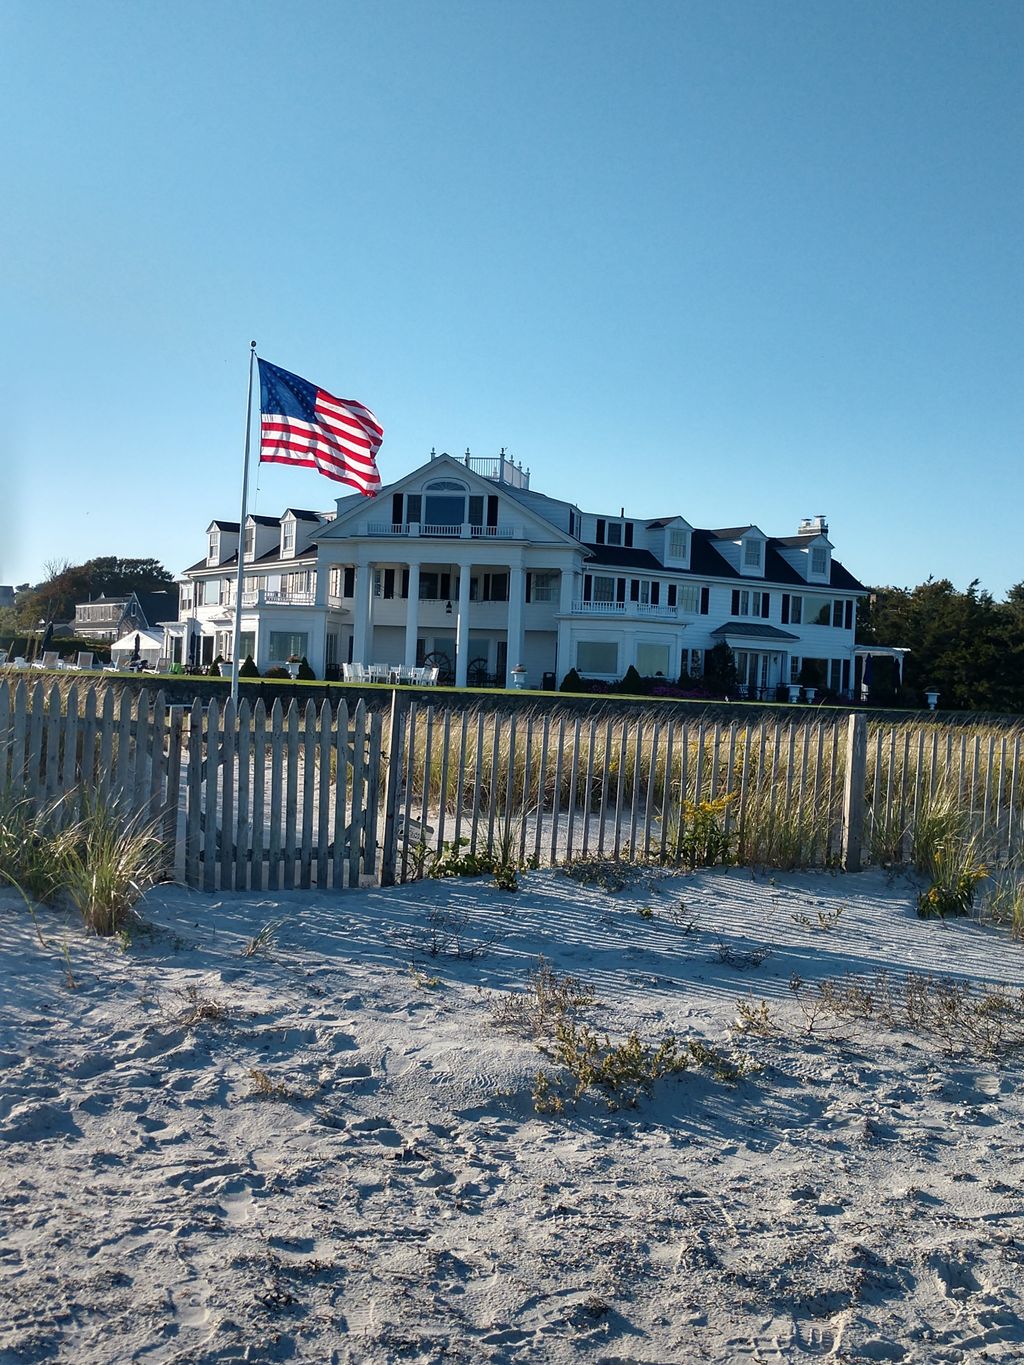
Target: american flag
[305, 425]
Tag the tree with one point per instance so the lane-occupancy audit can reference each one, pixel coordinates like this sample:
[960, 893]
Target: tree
[720, 670]
[65, 584]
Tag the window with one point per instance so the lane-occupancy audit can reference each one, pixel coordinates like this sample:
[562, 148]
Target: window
[792, 609]
[678, 544]
[285, 643]
[445, 503]
[494, 587]
[687, 597]
[819, 559]
[288, 538]
[614, 533]
[247, 645]
[597, 656]
[652, 660]
[209, 593]
[211, 553]
[752, 554]
[544, 586]
[746, 603]
[604, 588]
[696, 662]
[817, 611]
[250, 540]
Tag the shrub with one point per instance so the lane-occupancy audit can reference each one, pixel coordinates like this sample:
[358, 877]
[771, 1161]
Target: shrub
[214, 670]
[632, 684]
[572, 682]
[697, 836]
[248, 668]
[278, 671]
[720, 670]
[110, 860]
[537, 1011]
[305, 673]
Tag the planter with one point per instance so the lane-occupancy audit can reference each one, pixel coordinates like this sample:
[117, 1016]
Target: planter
[293, 669]
[518, 677]
[794, 691]
[810, 693]
[931, 696]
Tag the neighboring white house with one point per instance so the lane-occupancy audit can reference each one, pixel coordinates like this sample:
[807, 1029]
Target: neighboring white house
[462, 564]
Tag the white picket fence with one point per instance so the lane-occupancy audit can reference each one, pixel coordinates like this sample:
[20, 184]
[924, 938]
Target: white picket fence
[251, 798]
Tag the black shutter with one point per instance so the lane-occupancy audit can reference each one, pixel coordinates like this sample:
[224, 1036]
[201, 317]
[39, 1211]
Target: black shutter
[620, 590]
[766, 603]
[389, 582]
[587, 588]
[445, 586]
[599, 533]
[634, 590]
[849, 615]
[705, 601]
[529, 587]
[412, 507]
[671, 594]
[785, 608]
[349, 586]
[629, 533]
[492, 509]
[476, 511]
[655, 594]
[405, 582]
[735, 602]
[397, 501]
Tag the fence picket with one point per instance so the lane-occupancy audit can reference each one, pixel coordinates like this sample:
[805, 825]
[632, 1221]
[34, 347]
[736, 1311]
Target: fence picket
[227, 796]
[276, 787]
[309, 771]
[342, 782]
[243, 832]
[355, 829]
[194, 812]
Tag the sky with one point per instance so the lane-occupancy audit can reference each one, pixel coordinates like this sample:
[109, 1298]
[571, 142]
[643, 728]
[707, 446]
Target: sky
[736, 260]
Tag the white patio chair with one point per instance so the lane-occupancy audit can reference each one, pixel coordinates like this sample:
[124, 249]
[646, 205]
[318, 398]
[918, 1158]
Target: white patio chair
[19, 662]
[85, 658]
[49, 660]
[346, 673]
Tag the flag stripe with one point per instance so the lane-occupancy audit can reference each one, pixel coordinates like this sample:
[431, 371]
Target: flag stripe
[303, 433]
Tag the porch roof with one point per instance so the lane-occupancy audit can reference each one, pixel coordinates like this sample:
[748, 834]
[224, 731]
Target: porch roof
[753, 630]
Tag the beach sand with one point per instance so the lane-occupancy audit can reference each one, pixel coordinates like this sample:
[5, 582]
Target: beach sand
[325, 1150]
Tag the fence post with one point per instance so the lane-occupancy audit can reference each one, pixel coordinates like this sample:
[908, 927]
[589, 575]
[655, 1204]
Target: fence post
[392, 789]
[853, 794]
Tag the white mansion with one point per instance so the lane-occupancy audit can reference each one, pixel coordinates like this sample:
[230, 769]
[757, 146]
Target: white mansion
[461, 564]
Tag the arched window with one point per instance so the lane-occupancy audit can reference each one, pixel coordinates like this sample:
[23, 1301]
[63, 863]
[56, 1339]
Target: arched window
[445, 503]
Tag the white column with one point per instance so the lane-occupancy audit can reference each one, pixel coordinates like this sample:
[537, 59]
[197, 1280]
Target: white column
[361, 627]
[565, 587]
[516, 594]
[412, 615]
[462, 627]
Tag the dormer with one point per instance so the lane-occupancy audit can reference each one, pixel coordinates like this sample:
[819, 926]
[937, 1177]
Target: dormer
[262, 534]
[752, 550]
[671, 541]
[297, 528]
[221, 542]
[809, 552]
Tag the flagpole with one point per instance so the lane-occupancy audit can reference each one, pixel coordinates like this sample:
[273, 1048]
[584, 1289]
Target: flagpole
[237, 644]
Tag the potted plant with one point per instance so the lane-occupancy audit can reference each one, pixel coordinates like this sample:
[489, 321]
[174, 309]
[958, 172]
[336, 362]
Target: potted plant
[519, 676]
[293, 665]
[931, 696]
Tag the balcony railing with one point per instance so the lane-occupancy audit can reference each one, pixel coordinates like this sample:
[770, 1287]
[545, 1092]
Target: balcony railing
[465, 531]
[647, 609]
[278, 599]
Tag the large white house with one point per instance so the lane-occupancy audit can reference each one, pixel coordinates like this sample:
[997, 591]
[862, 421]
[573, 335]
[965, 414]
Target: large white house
[461, 563]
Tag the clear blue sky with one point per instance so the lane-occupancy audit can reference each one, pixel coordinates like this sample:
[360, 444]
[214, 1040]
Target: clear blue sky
[739, 261]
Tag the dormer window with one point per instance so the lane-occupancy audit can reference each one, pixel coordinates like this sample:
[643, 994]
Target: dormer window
[819, 560]
[679, 545]
[753, 553]
[288, 538]
[211, 553]
[250, 541]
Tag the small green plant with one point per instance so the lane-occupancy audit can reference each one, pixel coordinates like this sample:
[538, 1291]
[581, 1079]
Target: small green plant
[109, 861]
[200, 1009]
[755, 1018]
[262, 941]
[1003, 901]
[956, 871]
[547, 1000]
[697, 836]
[645, 912]
[824, 921]
[424, 982]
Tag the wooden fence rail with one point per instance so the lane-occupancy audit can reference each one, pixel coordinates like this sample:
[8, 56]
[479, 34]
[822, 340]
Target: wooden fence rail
[252, 799]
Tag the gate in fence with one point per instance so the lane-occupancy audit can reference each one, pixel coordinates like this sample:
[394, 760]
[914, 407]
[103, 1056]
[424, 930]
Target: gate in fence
[255, 799]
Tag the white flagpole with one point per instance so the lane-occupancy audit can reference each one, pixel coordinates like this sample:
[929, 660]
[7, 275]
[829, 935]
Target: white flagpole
[240, 579]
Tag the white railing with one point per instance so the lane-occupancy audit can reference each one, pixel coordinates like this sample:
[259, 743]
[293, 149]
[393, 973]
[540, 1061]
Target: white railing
[462, 531]
[278, 599]
[580, 608]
